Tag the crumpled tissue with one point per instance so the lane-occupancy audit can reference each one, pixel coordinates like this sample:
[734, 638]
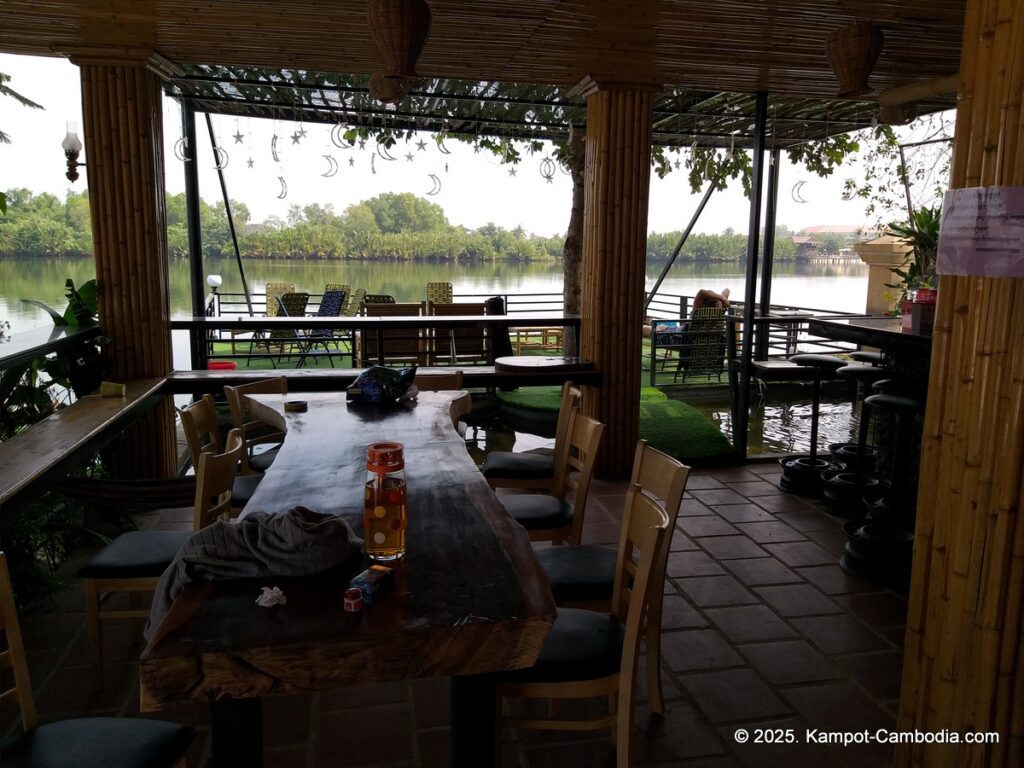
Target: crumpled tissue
[270, 597]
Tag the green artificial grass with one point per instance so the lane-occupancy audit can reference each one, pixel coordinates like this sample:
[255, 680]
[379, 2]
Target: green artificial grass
[670, 425]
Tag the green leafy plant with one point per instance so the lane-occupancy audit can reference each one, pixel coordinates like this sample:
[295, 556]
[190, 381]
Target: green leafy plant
[921, 233]
[6, 90]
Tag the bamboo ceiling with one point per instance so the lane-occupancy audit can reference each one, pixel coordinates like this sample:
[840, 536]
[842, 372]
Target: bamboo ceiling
[703, 53]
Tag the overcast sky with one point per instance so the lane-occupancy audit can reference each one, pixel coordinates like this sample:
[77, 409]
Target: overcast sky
[474, 189]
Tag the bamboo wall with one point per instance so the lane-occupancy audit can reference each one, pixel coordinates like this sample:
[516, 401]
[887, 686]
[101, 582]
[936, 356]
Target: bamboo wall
[123, 134]
[614, 260]
[964, 667]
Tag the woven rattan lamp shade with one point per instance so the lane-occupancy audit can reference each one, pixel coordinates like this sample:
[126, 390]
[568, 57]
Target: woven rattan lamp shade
[389, 88]
[852, 53]
[400, 29]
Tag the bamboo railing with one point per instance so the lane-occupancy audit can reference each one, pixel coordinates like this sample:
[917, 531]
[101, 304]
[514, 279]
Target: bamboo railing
[122, 115]
[614, 254]
[964, 668]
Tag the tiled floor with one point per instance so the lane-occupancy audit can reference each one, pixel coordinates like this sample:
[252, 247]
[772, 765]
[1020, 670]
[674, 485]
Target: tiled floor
[762, 630]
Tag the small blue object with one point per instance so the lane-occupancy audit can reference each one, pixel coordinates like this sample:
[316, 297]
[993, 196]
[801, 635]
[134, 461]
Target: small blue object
[371, 581]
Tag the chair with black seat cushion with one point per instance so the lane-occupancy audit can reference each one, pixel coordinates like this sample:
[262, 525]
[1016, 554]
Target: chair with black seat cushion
[589, 654]
[584, 576]
[134, 561]
[201, 426]
[558, 516]
[256, 432]
[528, 470]
[93, 742]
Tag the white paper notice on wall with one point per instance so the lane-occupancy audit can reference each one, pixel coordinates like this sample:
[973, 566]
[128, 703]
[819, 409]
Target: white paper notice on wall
[982, 232]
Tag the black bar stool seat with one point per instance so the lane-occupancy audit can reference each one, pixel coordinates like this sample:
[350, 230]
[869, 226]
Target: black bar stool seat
[856, 455]
[873, 358]
[801, 473]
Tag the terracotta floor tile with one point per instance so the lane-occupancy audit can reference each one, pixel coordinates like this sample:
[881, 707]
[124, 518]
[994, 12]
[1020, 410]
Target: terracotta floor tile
[679, 735]
[695, 649]
[743, 513]
[797, 600]
[435, 747]
[433, 701]
[737, 694]
[681, 542]
[797, 553]
[678, 613]
[833, 539]
[770, 532]
[838, 706]
[730, 547]
[693, 508]
[600, 533]
[790, 661]
[756, 488]
[718, 496]
[833, 580]
[806, 519]
[683, 564]
[762, 570]
[749, 623]
[783, 503]
[881, 609]
[733, 474]
[698, 481]
[704, 591]
[878, 673]
[711, 525]
[839, 634]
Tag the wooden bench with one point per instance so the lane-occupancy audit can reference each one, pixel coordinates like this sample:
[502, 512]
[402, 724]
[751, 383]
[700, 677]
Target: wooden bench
[57, 444]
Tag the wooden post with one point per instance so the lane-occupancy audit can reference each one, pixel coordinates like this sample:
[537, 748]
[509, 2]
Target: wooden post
[614, 258]
[964, 668]
[123, 131]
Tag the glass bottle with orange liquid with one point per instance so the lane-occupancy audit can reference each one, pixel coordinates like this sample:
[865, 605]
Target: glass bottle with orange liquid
[384, 505]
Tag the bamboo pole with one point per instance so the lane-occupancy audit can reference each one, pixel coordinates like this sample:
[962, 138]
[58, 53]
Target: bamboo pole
[964, 668]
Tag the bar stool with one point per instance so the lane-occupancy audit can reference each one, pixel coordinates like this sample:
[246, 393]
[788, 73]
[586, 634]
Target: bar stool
[856, 456]
[872, 358]
[905, 409]
[801, 473]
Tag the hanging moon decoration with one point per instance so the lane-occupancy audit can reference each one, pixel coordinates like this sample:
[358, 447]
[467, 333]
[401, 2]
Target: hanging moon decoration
[220, 158]
[181, 151]
[373, 165]
[437, 184]
[338, 137]
[547, 169]
[332, 166]
[383, 152]
[440, 144]
[284, 188]
[273, 149]
[797, 197]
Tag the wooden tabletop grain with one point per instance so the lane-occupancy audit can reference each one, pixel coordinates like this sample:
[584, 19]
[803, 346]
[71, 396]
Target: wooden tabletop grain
[469, 596]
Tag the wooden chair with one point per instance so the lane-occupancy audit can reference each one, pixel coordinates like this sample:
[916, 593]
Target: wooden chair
[256, 432]
[402, 346]
[134, 561]
[201, 426]
[558, 516]
[584, 576]
[456, 346]
[589, 654]
[436, 382]
[93, 742]
[533, 471]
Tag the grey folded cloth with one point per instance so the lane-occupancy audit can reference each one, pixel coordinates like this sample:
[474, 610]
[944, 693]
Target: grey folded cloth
[298, 543]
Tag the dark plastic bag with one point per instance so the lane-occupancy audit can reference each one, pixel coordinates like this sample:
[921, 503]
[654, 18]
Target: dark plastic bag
[382, 385]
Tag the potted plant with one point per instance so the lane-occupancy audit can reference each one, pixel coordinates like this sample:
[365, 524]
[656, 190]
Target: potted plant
[921, 233]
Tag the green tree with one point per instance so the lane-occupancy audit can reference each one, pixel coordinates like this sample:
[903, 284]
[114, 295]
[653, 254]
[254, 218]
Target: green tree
[6, 90]
[405, 212]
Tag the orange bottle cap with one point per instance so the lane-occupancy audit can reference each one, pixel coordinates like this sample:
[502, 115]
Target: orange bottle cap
[385, 457]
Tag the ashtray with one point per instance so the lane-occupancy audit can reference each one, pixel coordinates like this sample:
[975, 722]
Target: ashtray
[295, 406]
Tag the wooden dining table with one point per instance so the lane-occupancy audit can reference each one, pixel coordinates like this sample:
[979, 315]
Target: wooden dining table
[469, 598]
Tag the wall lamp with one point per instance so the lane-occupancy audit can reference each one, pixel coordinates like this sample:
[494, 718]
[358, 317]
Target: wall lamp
[72, 146]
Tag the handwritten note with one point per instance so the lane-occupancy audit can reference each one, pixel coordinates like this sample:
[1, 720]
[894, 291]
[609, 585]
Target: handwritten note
[982, 232]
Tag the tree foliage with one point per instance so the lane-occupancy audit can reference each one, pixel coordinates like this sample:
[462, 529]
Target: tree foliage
[6, 90]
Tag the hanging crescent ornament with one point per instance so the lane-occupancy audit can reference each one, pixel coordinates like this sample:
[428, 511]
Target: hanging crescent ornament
[332, 167]
[284, 188]
[437, 184]
[797, 197]
[273, 149]
[373, 165]
[338, 137]
[547, 169]
[181, 151]
[220, 158]
[382, 151]
[440, 144]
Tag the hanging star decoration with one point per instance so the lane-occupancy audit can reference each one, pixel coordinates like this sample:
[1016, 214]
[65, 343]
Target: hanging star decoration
[421, 146]
[239, 137]
[476, 149]
[446, 167]
[408, 156]
[352, 162]
[301, 131]
[296, 138]
[676, 164]
[249, 162]
[511, 171]
[362, 143]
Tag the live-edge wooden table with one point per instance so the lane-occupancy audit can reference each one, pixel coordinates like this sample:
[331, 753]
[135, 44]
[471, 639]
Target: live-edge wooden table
[469, 596]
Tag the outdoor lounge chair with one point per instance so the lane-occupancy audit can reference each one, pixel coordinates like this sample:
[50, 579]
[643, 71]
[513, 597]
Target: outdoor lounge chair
[331, 305]
[289, 305]
[702, 344]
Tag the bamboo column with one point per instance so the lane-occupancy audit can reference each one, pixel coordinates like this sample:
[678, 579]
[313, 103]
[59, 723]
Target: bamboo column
[964, 668]
[122, 118]
[617, 181]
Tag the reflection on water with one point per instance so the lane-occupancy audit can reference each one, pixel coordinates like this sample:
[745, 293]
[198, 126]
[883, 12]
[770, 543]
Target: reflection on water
[780, 426]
